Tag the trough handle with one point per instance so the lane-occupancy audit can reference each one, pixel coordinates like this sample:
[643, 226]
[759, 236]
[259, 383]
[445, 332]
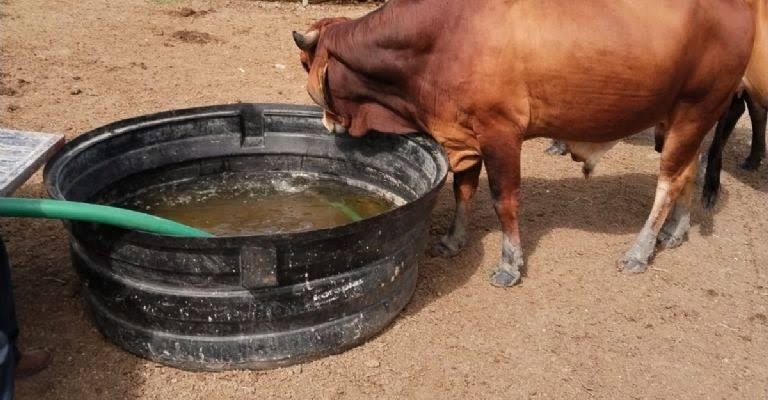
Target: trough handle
[258, 267]
[252, 125]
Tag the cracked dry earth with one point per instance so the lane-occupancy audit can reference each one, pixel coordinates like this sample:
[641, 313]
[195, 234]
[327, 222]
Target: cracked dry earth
[693, 326]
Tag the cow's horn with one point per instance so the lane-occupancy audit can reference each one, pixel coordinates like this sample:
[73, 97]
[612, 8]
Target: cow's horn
[306, 41]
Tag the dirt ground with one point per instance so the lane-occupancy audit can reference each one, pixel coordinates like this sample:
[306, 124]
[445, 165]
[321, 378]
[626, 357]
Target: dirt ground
[693, 327]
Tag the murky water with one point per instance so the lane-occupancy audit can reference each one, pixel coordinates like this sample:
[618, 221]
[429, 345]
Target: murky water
[244, 204]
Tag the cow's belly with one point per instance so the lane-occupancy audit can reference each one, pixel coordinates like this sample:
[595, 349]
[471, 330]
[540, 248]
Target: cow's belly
[596, 113]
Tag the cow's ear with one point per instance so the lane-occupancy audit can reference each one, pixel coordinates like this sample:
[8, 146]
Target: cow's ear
[318, 86]
[374, 117]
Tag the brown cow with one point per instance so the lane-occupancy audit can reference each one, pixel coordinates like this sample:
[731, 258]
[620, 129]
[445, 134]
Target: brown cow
[482, 76]
[755, 96]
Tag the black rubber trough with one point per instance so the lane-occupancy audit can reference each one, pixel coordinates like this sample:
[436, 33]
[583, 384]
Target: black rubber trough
[246, 302]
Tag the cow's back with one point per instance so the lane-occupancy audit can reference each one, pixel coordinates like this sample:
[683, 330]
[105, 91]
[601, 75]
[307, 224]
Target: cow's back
[597, 67]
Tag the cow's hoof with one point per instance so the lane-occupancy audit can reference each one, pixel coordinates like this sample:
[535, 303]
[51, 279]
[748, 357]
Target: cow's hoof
[504, 277]
[446, 248]
[750, 164]
[670, 241]
[632, 265]
[556, 149]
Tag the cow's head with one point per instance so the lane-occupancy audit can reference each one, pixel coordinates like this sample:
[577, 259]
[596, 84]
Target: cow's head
[352, 101]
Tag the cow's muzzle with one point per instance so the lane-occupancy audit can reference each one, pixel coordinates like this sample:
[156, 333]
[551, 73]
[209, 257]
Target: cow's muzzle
[332, 125]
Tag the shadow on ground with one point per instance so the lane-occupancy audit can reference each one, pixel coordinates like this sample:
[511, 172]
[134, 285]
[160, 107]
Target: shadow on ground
[613, 205]
[736, 150]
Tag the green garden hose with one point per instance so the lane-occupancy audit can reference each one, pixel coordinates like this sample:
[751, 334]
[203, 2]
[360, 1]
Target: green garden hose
[70, 210]
[346, 210]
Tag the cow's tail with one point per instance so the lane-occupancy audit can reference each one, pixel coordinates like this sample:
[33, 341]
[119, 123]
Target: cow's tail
[712, 161]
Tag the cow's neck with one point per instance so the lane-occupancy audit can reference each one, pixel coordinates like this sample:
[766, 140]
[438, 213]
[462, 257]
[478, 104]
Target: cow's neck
[387, 47]
[382, 44]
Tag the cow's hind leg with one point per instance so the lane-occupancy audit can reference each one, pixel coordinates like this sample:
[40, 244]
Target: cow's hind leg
[757, 114]
[675, 230]
[723, 131]
[676, 176]
[464, 188]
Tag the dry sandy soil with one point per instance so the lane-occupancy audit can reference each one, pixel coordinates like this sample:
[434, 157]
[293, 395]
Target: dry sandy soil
[693, 327]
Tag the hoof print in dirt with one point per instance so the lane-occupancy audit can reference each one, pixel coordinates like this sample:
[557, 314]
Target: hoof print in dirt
[195, 37]
[186, 12]
[8, 91]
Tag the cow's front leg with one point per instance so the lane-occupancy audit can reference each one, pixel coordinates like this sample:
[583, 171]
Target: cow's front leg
[502, 163]
[464, 188]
